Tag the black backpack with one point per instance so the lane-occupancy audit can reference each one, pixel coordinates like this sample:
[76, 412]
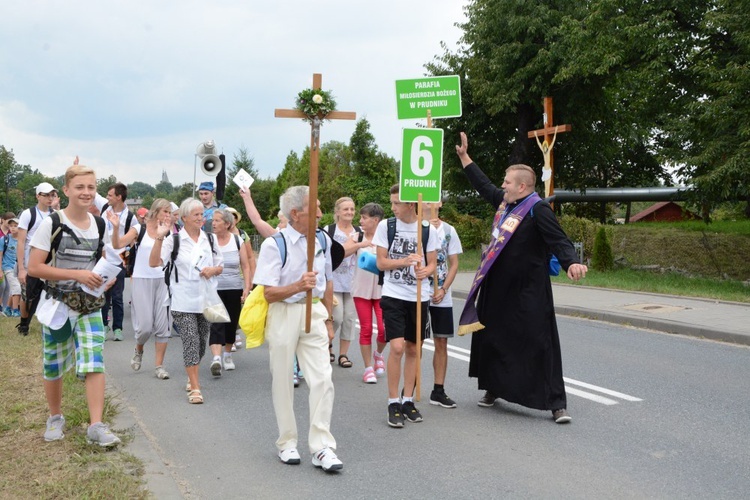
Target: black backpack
[58, 228]
[392, 236]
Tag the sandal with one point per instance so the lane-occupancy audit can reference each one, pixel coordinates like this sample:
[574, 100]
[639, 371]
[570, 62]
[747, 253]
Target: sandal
[195, 397]
[332, 355]
[344, 361]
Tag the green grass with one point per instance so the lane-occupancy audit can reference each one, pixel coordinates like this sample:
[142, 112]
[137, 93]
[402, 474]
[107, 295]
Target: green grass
[30, 468]
[666, 283]
[644, 281]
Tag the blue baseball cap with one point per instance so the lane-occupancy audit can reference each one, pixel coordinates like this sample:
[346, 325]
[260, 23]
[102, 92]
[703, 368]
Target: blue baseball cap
[206, 186]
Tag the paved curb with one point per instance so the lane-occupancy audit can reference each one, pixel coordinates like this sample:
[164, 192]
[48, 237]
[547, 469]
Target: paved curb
[660, 325]
[160, 480]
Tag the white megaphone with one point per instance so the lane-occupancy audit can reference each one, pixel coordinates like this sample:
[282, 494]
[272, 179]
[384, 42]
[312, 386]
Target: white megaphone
[210, 162]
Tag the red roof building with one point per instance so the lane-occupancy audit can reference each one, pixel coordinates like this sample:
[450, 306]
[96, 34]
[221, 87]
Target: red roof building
[665, 211]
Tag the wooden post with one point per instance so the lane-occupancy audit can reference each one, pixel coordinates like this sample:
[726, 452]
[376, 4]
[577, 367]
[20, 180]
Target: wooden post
[418, 381]
[312, 202]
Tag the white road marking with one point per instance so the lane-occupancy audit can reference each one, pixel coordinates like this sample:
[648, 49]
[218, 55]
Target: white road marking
[463, 354]
[609, 392]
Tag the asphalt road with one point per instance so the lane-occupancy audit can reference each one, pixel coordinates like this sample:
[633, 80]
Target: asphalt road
[654, 415]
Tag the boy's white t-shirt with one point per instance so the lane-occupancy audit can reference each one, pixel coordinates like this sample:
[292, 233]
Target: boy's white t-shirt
[401, 283]
[449, 244]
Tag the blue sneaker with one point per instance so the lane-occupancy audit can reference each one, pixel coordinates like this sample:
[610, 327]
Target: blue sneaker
[16, 313]
[7, 311]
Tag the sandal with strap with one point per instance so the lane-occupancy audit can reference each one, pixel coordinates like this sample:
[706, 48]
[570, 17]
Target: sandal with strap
[195, 397]
[332, 355]
[344, 361]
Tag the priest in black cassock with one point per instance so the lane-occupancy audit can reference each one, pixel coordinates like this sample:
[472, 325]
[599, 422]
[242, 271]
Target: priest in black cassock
[515, 350]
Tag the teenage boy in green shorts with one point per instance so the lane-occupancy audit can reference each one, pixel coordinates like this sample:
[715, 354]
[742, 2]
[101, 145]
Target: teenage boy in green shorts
[78, 333]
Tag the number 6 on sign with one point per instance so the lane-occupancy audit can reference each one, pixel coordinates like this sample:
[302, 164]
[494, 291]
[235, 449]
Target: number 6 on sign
[421, 159]
[421, 164]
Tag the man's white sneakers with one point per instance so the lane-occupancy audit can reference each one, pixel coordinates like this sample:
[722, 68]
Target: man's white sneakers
[290, 456]
[327, 460]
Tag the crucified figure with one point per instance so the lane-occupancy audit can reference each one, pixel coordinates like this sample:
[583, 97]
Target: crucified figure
[546, 148]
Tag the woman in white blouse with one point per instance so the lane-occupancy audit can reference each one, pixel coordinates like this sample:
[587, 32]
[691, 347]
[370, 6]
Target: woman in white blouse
[198, 257]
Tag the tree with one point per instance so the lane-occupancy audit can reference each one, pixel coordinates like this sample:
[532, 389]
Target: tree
[140, 189]
[606, 63]
[103, 183]
[164, 188]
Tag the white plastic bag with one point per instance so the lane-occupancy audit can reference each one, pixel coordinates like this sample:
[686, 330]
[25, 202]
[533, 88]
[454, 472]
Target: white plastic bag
[213, 308]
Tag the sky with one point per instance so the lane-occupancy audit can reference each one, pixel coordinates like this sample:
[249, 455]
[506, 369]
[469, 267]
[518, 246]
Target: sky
[133, 87]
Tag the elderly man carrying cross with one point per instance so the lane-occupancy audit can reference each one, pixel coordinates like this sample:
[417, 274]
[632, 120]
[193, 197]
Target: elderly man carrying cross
[282, 270]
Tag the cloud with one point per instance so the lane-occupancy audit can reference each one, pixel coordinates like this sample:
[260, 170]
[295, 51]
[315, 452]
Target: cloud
[133, 86]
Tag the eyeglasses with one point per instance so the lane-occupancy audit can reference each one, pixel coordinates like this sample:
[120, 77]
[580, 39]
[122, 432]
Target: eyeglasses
[48, 195]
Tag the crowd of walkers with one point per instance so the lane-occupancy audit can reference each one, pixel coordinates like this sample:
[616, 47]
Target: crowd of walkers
[364, 283]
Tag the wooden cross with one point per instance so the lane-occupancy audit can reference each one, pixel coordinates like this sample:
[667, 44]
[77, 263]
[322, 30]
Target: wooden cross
[549, 132]
[312, 202]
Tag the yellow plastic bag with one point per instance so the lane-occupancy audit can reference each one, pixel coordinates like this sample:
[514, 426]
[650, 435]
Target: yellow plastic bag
[253, 318]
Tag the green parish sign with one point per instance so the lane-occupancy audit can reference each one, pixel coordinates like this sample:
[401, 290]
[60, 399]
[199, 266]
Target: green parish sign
[440, 94]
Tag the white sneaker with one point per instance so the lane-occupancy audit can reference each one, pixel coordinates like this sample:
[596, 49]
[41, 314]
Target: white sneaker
[327, 460]
[55, 428]
[228, 363]
[100, 434]
[216, 368]
[234, 348]
[290, 456]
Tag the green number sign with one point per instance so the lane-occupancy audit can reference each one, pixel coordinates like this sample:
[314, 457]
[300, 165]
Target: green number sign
[421, 164]
[440, 94]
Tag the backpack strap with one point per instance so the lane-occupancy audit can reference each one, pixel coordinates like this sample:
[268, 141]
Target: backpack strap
[281, 243]
[102, 227]
[237, 241]
[32, 218]
[210, 237]
[331, 229]
[322, 239]
[170, 265]
[128, 221]
[360, 234]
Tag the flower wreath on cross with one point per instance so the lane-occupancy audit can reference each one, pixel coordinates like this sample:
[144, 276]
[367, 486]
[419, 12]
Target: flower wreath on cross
[315, 103]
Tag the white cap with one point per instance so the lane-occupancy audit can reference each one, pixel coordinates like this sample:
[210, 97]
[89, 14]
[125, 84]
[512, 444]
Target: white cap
[44, 188]
[173, 205]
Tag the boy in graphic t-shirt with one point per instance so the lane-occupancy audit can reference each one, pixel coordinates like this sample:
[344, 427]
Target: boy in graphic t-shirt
[403, 266]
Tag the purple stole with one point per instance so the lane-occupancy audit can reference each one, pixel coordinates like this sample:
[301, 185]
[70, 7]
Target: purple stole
[503, 227]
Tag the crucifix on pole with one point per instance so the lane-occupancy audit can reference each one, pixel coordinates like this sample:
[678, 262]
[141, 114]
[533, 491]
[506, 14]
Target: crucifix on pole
[312, 202]
[549, 133]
